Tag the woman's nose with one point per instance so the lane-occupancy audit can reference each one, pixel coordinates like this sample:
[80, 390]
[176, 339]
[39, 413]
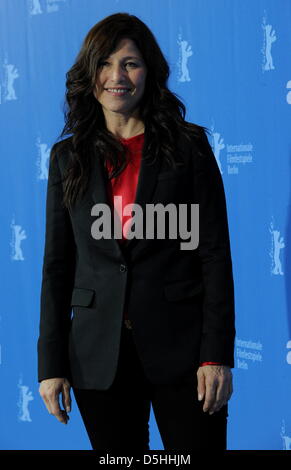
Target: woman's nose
[117, 72]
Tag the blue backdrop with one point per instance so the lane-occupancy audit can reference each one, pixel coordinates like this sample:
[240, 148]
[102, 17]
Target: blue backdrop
[230, 64]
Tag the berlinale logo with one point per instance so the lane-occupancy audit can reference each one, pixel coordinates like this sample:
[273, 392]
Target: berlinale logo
[288, 96]
[288, 357]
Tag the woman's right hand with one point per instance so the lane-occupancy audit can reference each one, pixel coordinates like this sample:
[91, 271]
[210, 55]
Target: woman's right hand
[49, 391]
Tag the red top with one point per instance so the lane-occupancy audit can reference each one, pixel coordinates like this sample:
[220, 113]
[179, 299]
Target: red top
[125, 185]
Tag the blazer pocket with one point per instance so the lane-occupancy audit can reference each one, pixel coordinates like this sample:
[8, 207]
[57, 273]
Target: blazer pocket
[181, 290]
[82, 297]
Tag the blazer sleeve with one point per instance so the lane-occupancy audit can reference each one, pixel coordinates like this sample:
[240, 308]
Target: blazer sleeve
[57, 280]
[217, 342]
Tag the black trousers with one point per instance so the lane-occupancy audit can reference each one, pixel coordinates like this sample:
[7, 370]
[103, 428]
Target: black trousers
[117, 419]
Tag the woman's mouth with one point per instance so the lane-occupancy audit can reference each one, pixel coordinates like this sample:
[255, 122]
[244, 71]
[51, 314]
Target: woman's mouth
[118, 91]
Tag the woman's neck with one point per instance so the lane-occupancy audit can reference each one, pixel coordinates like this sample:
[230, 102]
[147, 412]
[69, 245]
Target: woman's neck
[123, 128]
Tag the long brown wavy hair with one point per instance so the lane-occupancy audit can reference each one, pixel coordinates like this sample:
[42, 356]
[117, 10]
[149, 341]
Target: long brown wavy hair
[160, 109]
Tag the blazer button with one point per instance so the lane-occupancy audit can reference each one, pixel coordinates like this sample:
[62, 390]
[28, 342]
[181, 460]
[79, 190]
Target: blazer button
[123, 268]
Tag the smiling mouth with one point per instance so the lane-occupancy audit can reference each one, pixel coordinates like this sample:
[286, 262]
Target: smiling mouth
[118, 91]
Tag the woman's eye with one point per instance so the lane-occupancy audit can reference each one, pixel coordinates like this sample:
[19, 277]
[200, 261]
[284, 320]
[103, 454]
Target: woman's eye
[131, 63]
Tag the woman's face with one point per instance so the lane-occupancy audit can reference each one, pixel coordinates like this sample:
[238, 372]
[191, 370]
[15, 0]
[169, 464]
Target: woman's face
[124, 68]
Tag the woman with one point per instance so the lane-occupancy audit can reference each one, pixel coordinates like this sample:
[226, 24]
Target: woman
[153, 322]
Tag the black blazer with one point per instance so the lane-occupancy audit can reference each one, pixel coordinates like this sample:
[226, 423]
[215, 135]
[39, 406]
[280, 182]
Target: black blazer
[180, 302]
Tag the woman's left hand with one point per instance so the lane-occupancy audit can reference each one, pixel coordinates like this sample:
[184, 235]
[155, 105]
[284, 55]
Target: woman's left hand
[214, 386]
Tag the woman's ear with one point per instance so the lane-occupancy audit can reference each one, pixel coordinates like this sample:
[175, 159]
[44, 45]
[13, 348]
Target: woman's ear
[95, 91]
[96, 88]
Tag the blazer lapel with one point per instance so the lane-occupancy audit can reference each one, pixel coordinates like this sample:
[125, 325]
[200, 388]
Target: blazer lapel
[147, 181]
[145, 188]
